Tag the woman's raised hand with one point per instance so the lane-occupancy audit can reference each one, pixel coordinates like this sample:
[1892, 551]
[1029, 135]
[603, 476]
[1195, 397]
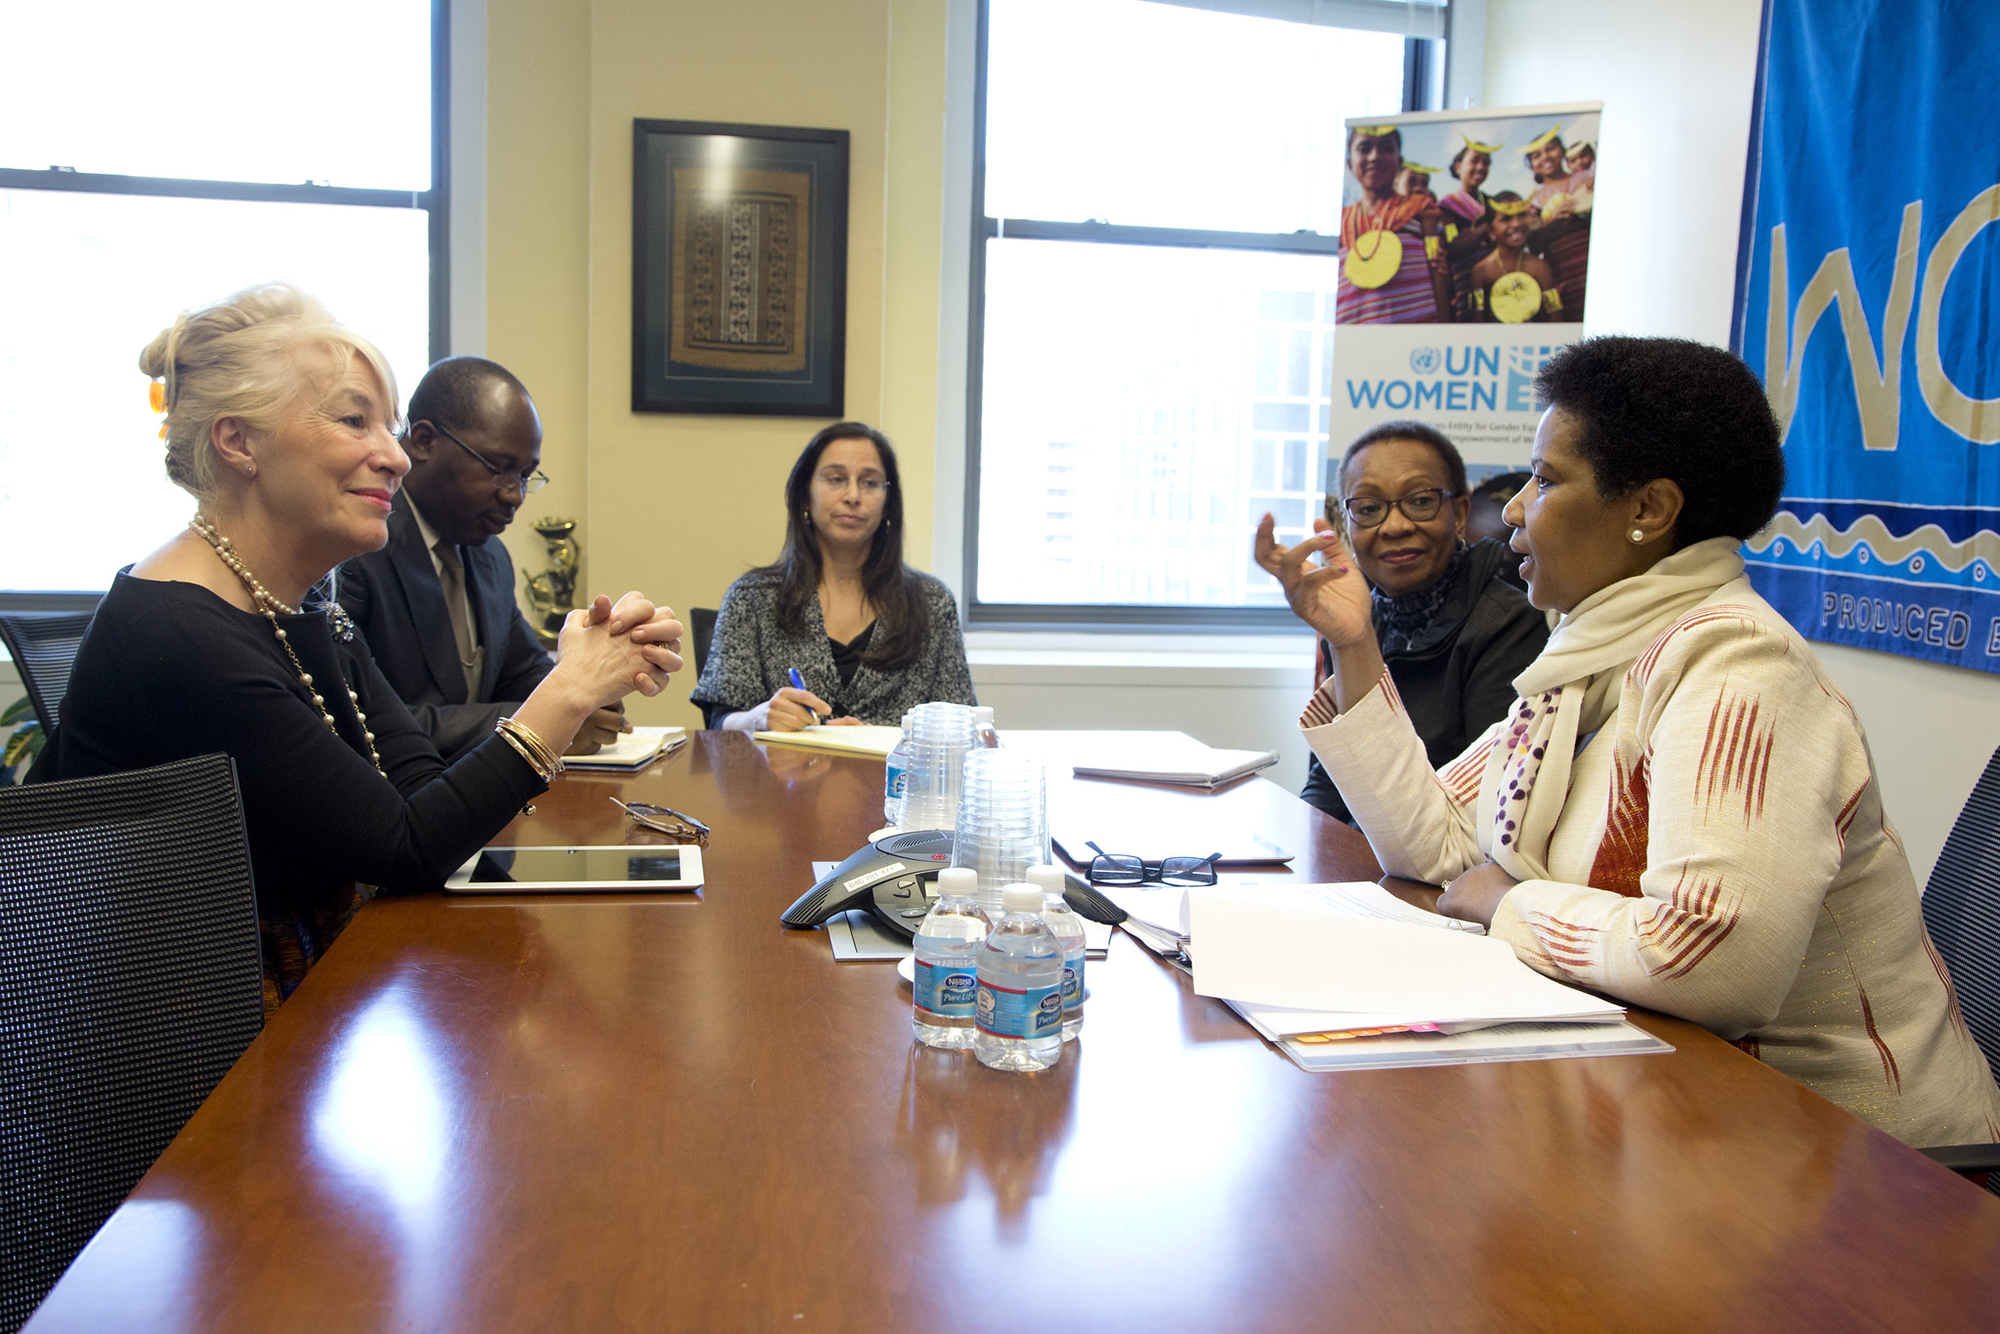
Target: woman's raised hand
[1330, 595]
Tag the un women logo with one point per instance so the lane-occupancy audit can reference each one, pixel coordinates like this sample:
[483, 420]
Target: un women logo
[1425, 360]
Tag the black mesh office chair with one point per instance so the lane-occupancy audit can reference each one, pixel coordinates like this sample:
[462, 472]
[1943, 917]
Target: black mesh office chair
[129, 984]
[1962, 912]
[703, 621]
[43, 645]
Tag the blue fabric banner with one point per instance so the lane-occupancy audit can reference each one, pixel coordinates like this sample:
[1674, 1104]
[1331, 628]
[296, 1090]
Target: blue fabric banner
[1869, 303]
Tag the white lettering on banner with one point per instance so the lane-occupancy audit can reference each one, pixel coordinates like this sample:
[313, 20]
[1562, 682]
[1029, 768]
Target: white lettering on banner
[1977, 419]
[1877, 385]
[1940, 627]
[1878, 381]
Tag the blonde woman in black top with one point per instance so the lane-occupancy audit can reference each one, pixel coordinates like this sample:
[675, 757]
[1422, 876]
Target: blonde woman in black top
[278, 421]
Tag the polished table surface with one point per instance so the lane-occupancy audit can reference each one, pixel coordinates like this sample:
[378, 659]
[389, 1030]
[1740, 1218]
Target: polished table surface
[670, 1113]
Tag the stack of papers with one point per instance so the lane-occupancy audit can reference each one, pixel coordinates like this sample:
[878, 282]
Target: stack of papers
[876, 741]
[1349, 977]
[638, 747]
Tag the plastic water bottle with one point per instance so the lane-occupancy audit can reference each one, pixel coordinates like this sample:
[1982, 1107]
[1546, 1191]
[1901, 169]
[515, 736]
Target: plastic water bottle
[1019, 1024]
[947, 964]
[1067, 928]
[896, 779]
[983, 728]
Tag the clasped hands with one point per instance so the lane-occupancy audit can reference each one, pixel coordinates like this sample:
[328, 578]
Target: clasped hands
[632, 645]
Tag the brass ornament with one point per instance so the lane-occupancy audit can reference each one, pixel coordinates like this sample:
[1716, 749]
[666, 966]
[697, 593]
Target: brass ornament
[1373, 259]
[1515, 298]
[552, 593]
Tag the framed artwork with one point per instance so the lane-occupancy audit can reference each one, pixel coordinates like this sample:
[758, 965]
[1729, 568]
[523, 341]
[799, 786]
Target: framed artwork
[739, 269]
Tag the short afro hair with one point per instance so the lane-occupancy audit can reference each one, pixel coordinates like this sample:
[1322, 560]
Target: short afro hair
[1674, 408]
[1423, 434]
[450, 394]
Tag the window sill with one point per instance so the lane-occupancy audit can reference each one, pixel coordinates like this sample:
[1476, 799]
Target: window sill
[1055, 657]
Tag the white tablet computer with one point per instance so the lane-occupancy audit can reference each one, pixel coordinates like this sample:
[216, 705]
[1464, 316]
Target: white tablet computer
[620, 869]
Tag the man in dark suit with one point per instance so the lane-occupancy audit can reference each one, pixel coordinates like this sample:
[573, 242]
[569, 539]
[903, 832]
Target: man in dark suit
[437, 603]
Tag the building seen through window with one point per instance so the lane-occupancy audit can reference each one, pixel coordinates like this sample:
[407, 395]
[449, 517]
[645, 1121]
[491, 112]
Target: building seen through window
[1160, 215]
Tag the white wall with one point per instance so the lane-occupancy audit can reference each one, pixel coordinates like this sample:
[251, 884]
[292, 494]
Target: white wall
[1676, 83]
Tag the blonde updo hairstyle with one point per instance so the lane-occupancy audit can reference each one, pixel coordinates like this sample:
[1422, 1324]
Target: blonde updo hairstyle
[251, 357]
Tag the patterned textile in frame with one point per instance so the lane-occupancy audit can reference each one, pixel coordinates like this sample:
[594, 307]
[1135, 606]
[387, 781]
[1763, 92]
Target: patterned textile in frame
[1866, 303]
[739, 268]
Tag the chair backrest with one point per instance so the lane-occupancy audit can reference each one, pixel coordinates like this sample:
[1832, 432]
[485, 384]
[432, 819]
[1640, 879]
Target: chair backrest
[130, 982]
[1962, 909]
[703, 620]
[43, 645]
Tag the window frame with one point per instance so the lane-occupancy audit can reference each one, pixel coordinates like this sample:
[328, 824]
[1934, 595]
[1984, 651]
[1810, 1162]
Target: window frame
[436, 201]
[1422, 65]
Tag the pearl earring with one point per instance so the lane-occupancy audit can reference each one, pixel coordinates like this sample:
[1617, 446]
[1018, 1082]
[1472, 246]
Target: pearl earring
[1638, 534]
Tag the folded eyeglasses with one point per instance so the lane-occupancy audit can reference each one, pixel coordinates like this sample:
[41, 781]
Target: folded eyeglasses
[1117, 868]
[681, 828]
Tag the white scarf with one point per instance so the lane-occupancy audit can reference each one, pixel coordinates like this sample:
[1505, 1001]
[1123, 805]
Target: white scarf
[1572, 690]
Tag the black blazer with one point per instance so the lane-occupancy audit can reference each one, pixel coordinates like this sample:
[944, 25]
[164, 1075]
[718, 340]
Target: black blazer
[397, 602]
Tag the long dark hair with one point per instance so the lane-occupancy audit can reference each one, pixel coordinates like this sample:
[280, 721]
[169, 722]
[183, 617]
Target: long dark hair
[901, 616]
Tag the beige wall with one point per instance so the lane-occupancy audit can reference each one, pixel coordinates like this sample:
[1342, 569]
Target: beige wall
[680, 505]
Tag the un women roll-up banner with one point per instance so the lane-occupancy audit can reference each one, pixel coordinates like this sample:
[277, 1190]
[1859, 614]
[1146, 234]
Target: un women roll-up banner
[1464, 265]
[1868, 296]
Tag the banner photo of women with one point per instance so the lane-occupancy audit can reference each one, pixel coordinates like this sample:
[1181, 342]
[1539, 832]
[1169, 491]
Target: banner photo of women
[1479, 221]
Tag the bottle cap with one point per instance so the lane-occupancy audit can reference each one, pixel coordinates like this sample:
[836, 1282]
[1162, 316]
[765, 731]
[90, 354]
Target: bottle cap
[1048, 879]
[1022, 898]
[958, 882]
[983, 712]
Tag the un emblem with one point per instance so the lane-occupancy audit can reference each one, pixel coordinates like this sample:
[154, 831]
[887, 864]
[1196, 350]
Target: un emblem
[1424, 360]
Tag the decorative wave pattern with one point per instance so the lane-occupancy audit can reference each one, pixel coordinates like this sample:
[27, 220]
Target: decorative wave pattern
[1928, 543]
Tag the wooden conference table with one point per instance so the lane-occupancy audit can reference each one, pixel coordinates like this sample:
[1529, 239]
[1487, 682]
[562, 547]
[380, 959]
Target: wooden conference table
[671, 1113]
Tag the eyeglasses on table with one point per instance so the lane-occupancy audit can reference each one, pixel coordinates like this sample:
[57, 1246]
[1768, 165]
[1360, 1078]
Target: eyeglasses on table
[681, 828]
[1118, 868]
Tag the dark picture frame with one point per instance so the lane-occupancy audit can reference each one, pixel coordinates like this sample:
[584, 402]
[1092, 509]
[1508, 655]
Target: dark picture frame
[739, 269]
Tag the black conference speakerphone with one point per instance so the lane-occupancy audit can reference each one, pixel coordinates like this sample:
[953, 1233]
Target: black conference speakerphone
[895, 879]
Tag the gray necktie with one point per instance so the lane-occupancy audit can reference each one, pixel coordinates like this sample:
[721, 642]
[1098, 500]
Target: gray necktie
[451, 573]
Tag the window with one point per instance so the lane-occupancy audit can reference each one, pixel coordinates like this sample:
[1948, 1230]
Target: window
[152, 161]
[1157, 203]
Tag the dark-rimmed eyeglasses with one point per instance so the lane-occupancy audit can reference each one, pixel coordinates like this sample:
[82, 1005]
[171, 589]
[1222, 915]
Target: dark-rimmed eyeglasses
[682, 828]
[527, 483]
[1117, 868]
[1417, 507]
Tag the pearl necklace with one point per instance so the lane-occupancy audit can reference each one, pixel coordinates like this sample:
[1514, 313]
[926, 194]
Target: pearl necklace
[272, 608]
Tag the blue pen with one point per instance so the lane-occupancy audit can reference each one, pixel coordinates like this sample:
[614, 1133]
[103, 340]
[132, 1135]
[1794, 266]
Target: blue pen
[799, 683]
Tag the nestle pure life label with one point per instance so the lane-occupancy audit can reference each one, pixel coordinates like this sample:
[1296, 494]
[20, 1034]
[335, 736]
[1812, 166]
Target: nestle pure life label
[1029, 1012]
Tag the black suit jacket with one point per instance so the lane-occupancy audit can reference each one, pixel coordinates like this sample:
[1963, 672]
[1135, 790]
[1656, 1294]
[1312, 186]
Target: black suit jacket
[395, 598]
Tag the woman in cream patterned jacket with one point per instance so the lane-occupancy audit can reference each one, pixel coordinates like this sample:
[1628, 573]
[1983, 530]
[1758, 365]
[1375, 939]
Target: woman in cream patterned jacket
[1679, 810]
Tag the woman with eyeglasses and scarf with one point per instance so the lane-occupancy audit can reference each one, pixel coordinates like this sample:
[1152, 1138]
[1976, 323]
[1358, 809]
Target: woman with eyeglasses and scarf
[1453, 631]
[869, 637]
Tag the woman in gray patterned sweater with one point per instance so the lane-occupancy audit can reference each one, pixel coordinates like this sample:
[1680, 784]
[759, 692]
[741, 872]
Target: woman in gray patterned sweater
[871, 637]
